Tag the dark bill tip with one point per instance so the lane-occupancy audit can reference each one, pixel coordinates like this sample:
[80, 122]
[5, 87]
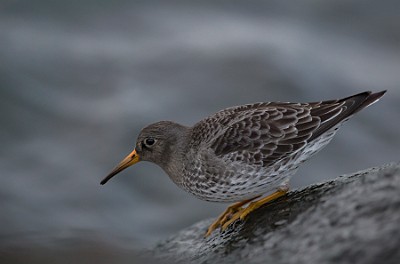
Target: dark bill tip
[129, 160]
[112, 174]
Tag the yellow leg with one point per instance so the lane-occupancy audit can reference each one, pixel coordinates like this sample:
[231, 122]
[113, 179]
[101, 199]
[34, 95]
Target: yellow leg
[243, 212]
[226, 214]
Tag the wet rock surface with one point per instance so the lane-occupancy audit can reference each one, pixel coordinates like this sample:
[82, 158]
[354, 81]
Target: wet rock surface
[351, 219]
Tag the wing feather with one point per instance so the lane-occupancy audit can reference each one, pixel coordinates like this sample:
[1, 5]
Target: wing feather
[264, 133]
[267, 134]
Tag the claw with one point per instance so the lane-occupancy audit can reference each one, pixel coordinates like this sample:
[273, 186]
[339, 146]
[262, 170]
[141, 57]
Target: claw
[241, 213]
[226, 215]
[231, 220]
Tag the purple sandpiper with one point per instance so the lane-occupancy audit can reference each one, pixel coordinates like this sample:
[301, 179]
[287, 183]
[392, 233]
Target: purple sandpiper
[243, 154]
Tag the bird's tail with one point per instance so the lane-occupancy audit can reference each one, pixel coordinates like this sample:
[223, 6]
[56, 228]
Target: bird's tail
[361, 101]
[334, 112]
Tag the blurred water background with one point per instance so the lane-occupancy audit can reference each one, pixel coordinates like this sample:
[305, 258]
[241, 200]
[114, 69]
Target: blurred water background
[79, 79]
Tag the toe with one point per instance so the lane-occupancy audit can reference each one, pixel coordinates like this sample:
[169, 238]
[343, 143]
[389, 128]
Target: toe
[230, 221]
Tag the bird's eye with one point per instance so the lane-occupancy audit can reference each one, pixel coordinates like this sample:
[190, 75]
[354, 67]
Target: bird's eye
[149, 141]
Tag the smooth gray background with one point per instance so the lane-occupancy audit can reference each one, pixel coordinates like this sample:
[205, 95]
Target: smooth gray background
[78, 80]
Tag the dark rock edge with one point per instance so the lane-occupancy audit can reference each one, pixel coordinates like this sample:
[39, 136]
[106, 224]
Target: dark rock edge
[351, 219]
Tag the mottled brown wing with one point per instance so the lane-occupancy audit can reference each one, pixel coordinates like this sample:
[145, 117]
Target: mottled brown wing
[267, 134]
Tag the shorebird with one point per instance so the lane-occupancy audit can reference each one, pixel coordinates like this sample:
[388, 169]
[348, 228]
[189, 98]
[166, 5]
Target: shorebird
[243, 154]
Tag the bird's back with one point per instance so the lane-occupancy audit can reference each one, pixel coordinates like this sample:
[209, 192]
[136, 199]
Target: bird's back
[253, 146]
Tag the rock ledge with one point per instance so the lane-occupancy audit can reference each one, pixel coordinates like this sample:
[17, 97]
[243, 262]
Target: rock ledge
[351, 219]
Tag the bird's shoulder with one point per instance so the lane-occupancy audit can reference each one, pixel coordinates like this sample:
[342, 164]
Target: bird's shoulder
[248, 121]
[264, 131]
[267, 132]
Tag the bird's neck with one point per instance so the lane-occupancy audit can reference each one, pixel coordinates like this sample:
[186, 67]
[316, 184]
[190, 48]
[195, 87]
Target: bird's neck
[174, 165]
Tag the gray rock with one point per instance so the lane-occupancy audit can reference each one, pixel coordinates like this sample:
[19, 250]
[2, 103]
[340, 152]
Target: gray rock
[351, 219]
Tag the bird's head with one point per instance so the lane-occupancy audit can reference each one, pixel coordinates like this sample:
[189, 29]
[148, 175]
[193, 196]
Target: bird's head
[156, 143]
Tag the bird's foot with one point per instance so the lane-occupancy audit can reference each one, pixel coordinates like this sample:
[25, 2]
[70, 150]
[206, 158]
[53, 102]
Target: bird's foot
[241, 213]
[226, 215]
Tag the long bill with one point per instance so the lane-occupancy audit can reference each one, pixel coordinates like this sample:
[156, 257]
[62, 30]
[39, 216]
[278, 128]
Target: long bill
[129, 160]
